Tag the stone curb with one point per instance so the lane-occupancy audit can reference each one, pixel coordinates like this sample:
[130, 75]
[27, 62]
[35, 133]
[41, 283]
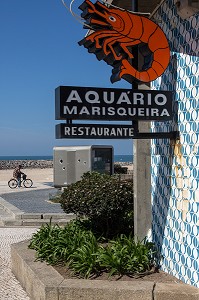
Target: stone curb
[11, 209]
[43, 282]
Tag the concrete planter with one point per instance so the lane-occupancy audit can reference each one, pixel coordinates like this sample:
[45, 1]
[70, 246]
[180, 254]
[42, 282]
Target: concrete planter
[43, 282]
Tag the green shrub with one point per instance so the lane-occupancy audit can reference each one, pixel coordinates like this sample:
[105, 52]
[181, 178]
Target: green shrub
[104, 200]
[118, 169]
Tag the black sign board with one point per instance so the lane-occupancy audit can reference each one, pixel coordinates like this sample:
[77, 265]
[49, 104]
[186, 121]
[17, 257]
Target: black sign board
[89, 103]
[94, 131]
[102, 131]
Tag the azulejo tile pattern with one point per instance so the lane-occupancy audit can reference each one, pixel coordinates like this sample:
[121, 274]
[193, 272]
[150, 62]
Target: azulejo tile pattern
[175, 166]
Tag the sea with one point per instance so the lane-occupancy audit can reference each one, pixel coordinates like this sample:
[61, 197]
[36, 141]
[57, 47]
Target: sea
[117, 158]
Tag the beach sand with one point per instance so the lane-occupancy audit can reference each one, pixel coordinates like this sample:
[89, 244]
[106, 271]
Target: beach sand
[37, 175]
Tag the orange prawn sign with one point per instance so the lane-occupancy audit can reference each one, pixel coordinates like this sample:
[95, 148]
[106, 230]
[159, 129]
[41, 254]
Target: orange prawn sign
[115, 32]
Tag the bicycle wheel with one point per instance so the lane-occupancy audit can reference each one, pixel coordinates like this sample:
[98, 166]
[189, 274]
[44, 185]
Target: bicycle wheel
[12, 183]
[27, 183]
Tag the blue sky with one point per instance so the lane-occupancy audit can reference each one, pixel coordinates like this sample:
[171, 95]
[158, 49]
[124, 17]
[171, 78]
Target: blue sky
[39, 52]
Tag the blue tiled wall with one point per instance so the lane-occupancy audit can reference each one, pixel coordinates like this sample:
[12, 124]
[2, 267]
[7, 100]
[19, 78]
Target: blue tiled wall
[175, 166]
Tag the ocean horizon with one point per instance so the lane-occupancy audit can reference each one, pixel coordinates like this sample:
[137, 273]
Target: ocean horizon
[117, 158]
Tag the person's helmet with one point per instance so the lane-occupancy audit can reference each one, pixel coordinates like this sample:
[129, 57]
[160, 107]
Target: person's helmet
[20, 166]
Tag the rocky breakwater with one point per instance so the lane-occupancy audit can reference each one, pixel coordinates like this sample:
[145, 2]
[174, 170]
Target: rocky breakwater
[26, 164]
[123, 163]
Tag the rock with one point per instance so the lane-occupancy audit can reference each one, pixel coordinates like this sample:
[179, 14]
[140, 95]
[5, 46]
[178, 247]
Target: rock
[27, 164]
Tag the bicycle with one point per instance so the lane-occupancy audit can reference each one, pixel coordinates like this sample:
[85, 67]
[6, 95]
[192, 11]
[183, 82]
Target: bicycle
[27, 183]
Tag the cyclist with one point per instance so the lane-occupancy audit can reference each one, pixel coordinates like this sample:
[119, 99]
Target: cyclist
[17, 174]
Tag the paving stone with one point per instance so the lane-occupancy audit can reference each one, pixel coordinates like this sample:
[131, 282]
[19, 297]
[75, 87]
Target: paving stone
[34, 201]
[10, 288]
[32, 209]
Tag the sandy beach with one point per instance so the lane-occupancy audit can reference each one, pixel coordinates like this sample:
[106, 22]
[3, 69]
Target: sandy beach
[37, 175]
[40, 175]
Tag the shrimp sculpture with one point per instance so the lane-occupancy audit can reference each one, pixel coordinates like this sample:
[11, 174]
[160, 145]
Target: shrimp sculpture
[115, 34]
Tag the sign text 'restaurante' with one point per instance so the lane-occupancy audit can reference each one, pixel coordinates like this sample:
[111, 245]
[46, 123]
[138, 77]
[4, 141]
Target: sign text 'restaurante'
[112, 104]
[96, 131]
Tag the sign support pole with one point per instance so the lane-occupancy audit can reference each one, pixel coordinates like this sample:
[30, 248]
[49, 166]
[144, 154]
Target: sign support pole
[141, 170]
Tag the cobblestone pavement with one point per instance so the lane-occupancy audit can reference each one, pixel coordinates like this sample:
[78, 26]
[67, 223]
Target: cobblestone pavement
[33, 201]
[10, 288]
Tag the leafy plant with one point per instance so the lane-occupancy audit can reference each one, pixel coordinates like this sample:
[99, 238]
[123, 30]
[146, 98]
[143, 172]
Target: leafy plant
[125, 256]
[77, 247]
[100, 239]
[104, 200]
[43, 241]
[84, 259]
[55, 244]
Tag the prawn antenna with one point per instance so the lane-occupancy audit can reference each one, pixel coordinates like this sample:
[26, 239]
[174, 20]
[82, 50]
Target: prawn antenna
[77, 17]
[105, 2]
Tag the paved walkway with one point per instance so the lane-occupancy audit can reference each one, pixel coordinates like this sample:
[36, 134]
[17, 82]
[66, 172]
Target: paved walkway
[10, 288]
[28, 200]
[33, 201]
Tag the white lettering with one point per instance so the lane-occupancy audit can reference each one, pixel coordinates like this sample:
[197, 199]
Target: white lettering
[87, 130]
[100, 131]
[111, 111]
[138, 97]
[84, 110]
[106, 131]
[131, 111]
[124, 98]
[121, 111]
[164, 113]
[67, 131]
[74, 96]
[161, 96]
[124, 110]
[70, 112]
[149, 99]
[125, 131]
[113, 132]
[119, 131]
[106, 97]
[74, 130]
[96, 110]
[154, 112]
[93, 95]
[141, 112]
[81, 131]
[131, 132]
[93, 131]
[103, 111]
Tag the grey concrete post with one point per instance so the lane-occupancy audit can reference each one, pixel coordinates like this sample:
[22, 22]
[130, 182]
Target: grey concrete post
[142, 182]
